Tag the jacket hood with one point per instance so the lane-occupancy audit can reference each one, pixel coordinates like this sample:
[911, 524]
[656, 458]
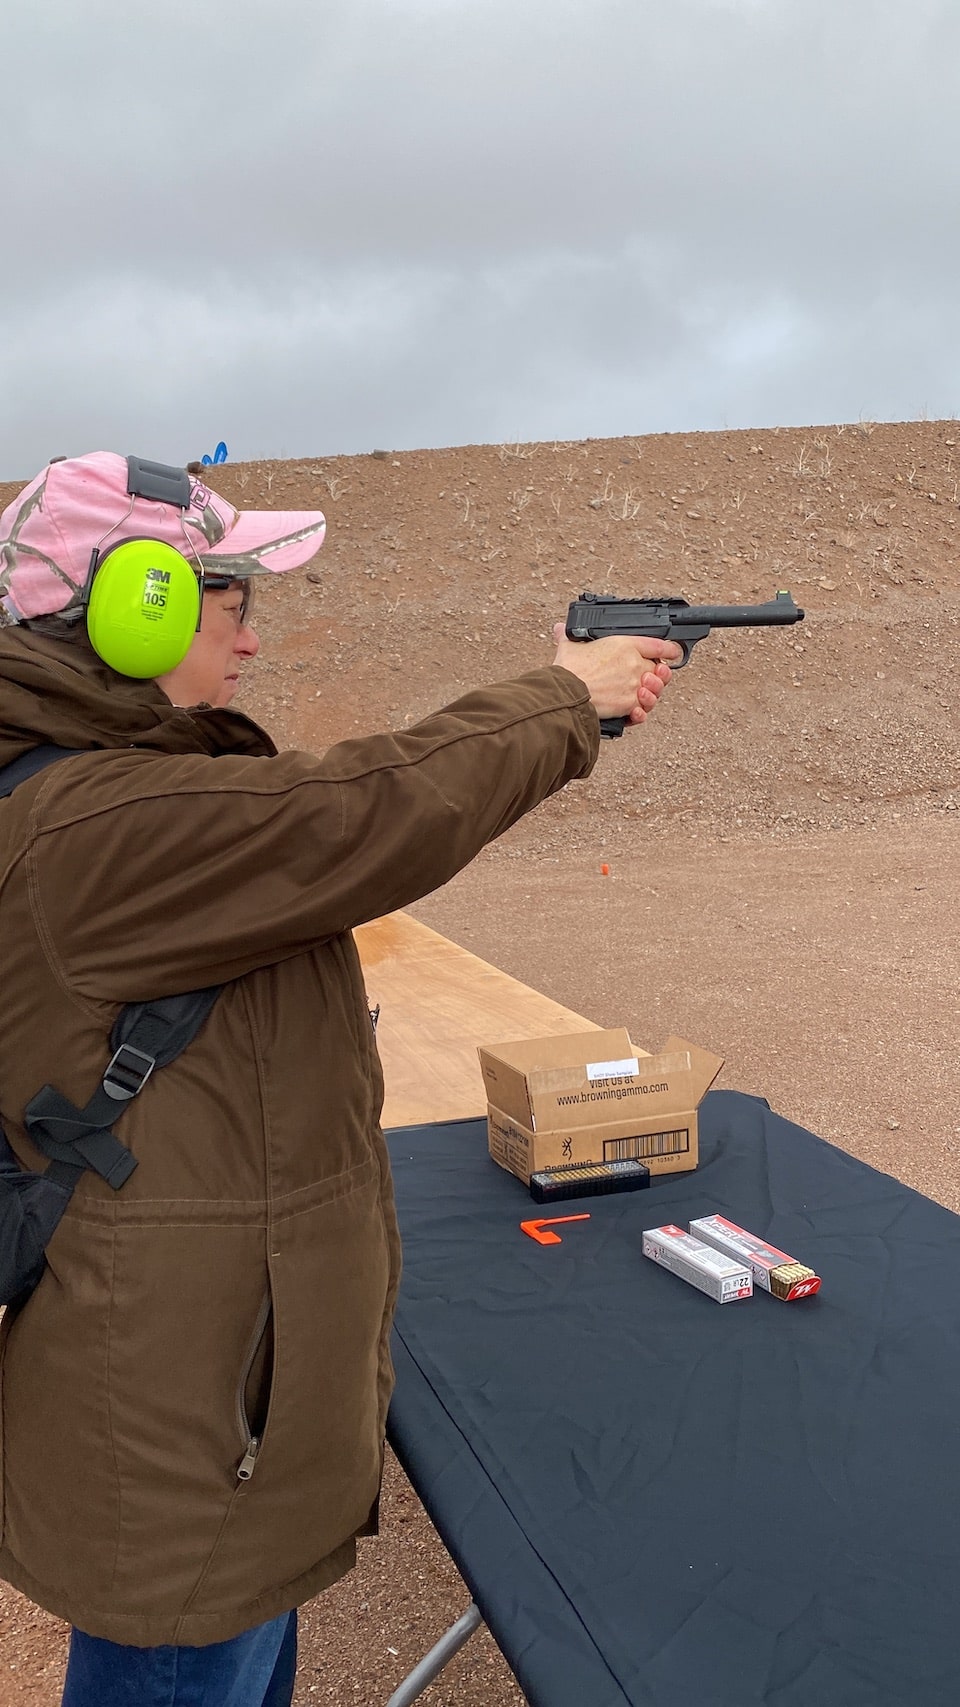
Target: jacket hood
[59, 691]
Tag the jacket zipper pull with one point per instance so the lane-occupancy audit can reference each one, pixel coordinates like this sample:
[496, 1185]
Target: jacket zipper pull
[248, 1462]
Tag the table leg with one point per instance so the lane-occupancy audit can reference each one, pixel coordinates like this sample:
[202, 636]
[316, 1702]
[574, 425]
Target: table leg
[440, 1654]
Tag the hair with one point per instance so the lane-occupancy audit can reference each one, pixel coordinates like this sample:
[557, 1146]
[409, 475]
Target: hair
[63, 625]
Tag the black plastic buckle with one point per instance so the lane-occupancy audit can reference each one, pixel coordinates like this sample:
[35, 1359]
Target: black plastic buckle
[160, 481]
[125, 1077]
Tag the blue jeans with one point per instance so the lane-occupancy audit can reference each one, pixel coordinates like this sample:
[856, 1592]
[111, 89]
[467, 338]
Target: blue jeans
[256, 1669]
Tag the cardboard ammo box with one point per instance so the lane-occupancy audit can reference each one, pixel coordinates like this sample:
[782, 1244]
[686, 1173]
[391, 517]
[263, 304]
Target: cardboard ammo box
[594, 1097]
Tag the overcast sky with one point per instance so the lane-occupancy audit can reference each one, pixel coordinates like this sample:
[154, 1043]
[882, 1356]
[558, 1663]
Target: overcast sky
[320, 226]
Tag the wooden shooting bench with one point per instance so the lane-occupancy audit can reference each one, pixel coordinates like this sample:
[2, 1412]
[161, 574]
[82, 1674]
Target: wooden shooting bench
[437, 1003]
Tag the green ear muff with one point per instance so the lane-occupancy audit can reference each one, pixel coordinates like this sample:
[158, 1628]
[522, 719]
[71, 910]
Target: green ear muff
[143, 607]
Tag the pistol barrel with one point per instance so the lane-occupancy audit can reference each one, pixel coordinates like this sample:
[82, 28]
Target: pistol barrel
[779, 610]
[593, 615]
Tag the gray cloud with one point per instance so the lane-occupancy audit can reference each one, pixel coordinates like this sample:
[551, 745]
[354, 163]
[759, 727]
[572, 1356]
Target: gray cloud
[319, 228]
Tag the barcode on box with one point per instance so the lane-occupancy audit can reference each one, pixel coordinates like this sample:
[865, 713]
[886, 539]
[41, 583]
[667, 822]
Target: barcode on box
[647, 1144]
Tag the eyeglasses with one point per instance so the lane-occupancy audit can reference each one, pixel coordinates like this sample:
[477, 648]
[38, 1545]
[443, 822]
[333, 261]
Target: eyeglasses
[223, 584]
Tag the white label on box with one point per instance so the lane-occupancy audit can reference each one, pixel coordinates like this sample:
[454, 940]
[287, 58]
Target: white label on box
[612, 1069]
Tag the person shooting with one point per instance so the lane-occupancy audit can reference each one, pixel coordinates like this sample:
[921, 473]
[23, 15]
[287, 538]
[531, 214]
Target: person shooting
[196, 1365]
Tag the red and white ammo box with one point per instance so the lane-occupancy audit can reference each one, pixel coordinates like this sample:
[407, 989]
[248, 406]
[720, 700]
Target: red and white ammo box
[780, 1275]
[723, 1278]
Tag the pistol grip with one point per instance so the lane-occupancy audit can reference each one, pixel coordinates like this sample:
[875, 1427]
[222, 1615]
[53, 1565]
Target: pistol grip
[611, 728]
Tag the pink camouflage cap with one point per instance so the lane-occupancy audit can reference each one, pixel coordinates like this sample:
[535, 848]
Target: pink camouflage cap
[49, 531]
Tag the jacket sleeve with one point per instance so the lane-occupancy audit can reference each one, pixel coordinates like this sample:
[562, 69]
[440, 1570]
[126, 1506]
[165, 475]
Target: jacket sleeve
[167, 873]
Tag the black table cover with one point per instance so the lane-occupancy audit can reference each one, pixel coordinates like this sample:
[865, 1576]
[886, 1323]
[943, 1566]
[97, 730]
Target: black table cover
[661, 1501]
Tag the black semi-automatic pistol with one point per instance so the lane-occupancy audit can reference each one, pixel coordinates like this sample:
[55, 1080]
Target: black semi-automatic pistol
[593, 616]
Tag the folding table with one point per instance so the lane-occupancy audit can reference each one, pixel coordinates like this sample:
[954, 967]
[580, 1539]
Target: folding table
[656, 1500]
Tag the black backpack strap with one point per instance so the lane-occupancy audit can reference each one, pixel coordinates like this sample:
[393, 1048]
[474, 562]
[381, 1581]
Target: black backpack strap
[28, 764]
[145, 1035]
[31, 1208]
[160, 1029]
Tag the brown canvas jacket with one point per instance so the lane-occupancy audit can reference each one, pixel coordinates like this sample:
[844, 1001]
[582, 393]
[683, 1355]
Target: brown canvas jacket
[240, 1287]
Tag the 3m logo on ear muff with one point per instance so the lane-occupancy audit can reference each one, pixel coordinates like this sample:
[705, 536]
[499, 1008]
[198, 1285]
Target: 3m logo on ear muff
[143, 607]
[155, 594]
